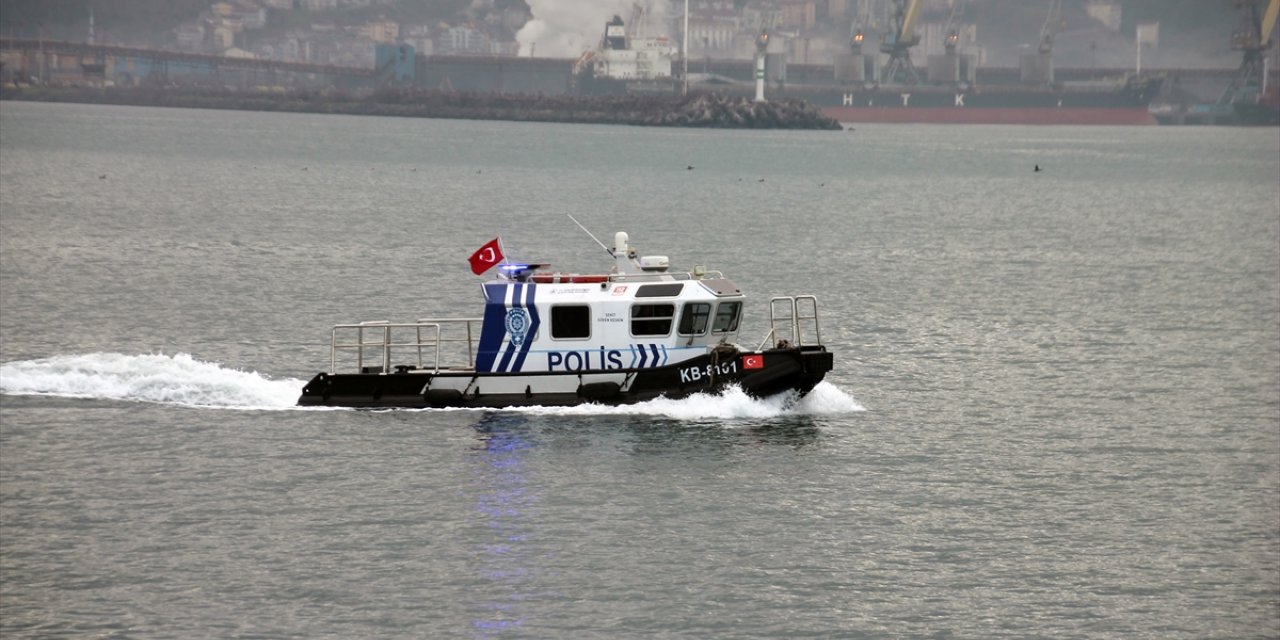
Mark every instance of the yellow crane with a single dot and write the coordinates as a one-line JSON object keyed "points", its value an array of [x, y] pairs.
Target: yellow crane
{"points": [[898, 42], [1252, 40], [1269, 22]]}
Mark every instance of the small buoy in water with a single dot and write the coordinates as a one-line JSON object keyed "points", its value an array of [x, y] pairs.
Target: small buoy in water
{"points": [[102, 177], [760, 180], [1037, 167], [690, 167]]}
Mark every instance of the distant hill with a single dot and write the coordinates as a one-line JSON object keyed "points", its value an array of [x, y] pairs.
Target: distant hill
{"points": [[150, 21], [121, 20]]}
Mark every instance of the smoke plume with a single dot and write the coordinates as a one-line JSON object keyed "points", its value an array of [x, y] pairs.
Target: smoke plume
{"points": [[566, 28]]}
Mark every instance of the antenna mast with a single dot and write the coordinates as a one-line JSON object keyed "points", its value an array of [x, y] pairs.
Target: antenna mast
{"points": [[593, 237]]}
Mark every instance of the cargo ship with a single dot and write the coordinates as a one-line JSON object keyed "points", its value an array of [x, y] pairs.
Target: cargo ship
{"points": [[1262, 112], [882, 85], [1121, 103], [626, 62], [989, 96]]}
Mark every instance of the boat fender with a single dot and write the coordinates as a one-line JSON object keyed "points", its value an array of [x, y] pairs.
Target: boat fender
{"points": [[723, 351], [441, 397], [473, 388], [599, 390]]}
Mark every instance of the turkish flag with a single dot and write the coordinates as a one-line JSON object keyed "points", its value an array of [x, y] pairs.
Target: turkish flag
{"points": [[485, 257], [753, 361]]}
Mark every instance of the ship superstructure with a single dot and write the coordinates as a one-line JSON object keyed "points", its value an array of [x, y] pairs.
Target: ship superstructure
{"points": [[628, 62]]}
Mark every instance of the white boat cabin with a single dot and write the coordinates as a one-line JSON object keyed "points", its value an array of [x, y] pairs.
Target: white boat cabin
{"points": [[636, 317]]}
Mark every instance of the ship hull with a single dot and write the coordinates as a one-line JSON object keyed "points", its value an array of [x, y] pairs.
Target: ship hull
{"points": [[771, 372], [1260, 114], [992, 115], [1069, 104]]}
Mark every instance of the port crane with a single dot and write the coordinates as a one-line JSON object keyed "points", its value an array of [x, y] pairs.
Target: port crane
{"points": [[1046, 31], [898, 41], [1253, 39], [953, 38], [865, 20], [1037, 68]]}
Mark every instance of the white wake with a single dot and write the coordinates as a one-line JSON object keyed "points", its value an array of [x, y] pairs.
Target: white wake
{"points": [[182, 380], [179, 380]]}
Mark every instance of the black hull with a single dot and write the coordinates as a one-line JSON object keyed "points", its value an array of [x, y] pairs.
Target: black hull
{"points": [[1258, 114], [783, 370], [1131, 95], [1120, 104]]}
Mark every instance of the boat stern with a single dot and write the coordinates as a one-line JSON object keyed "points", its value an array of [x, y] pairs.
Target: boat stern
{"points": [[780, 370]]}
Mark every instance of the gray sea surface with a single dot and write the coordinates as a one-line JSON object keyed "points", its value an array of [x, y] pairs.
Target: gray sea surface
{"points": [[1055, 411]]}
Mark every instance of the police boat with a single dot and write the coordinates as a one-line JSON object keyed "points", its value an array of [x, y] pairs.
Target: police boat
{"points": [[636, 333]]}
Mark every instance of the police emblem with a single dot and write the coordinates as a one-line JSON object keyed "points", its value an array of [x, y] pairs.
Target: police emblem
{"points": [[517, 324]]}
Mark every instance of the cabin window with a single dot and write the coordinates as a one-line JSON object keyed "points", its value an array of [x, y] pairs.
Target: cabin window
{"points": [[652, 319], [570, 322], [727, 317], [693, 320]]}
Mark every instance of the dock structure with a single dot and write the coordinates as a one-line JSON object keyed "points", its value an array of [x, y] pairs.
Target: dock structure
{"points": [[39, 61], [53, 61], [42, 62]]}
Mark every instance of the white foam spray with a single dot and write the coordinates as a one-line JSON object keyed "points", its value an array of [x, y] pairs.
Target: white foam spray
{"points": [[730, 404], [178, 379]]}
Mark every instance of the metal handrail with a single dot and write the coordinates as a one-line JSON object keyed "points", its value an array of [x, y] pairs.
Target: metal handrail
{"points": [[813, 315], [679, 276], [797, 316], [767, 337], [433, 339]]}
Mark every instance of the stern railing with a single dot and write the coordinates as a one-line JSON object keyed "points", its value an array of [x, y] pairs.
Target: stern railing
{"points": [[798, 317], [380, 342]]}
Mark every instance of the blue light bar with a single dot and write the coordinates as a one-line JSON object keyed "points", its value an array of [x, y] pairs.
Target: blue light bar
{"points": [[516, 267]]}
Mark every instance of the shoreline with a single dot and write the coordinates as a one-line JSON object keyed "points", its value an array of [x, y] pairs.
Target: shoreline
{"points": [[705, 110]]}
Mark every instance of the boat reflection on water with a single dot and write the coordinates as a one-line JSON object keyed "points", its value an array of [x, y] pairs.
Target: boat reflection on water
{"points": [[503, 534], [511, 467], [668, 435]]}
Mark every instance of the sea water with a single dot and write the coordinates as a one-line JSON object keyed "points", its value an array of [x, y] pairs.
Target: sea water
{"points": [[1055, 410]]}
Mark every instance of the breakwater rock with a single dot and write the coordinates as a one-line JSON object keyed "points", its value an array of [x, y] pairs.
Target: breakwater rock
{"points": [[697, 110]]}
